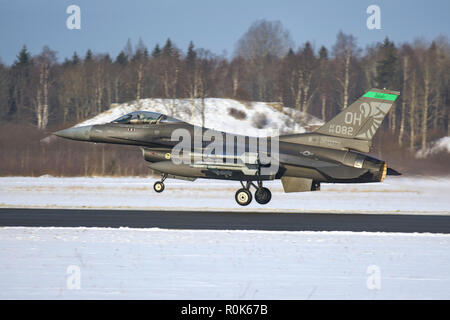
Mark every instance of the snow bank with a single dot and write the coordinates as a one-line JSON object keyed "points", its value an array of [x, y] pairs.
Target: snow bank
{"points": [[395, 195], [83, 263], [218, 115]]}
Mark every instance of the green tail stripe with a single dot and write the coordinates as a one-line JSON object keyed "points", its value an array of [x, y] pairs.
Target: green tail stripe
{"points": [[380, 95]]}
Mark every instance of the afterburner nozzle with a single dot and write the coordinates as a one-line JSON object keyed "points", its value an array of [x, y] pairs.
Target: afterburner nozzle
{"points": [[383, 172]]}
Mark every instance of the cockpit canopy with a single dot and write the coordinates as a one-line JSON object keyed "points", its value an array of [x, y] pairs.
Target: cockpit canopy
{"points": [[143, 117]]}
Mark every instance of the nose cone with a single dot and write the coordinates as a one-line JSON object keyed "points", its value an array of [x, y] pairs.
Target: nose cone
{"points": [[75, 133]]}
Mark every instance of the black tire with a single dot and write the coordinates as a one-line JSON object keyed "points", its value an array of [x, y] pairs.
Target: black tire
{"points": [[158, 186], [243, 197], [263, 195]]}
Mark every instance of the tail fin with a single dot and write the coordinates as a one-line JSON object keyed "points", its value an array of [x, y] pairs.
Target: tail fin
{"points": [[363, 117]]}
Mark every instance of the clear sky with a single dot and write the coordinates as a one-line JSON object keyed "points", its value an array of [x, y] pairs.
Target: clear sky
{"points": [[215, 25]]}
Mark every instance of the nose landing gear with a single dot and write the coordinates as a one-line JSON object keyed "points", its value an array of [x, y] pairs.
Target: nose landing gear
{"points": [[159, 185], [243, 196]]}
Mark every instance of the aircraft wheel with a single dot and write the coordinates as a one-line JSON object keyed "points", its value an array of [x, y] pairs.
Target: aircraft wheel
{"points": [[263, 195], [158, 186], [243, 197]]}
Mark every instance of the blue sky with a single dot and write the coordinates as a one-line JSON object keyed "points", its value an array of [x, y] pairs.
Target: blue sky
{"points": [[214, 25]]}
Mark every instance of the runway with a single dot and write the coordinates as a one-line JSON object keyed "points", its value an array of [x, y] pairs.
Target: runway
{"points": [[224, 220]]}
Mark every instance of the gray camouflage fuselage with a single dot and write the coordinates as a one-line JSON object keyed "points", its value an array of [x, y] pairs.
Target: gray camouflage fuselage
{"points": [[331, 154]]}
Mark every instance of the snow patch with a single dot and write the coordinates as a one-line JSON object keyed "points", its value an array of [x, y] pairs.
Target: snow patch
{"points": [[126, 263], [441, 145], [412, 195]]}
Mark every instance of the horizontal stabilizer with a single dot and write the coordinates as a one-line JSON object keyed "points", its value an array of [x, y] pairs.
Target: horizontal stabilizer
{"points": [[392, 172], [293, 184]]}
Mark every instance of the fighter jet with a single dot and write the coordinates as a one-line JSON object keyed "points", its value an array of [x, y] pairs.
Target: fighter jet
{"points": [[334, 153]]}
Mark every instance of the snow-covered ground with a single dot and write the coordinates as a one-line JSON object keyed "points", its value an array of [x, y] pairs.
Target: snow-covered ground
{"points": [[396, 195], [92, 263], [218, 115], [103, 263]]}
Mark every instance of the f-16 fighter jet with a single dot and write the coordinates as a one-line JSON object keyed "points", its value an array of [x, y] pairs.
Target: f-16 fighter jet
{"points": [[334, 153]]}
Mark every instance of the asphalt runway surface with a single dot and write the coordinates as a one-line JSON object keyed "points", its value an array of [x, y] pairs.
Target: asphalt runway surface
{"points": [[235, 220]]}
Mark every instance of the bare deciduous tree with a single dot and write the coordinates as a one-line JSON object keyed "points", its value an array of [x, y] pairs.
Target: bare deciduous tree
{"points": [[44, 62], [344, 51], [264, 38]]}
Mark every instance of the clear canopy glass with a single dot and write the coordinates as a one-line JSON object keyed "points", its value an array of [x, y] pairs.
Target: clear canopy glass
{"points": [[144, 117]]}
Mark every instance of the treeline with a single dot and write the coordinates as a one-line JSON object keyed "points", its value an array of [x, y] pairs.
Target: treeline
{"points": [[39, 91]]}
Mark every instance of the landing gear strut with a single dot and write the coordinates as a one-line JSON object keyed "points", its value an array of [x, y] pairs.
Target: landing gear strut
{"points": [[262, 195], [159, 185]]}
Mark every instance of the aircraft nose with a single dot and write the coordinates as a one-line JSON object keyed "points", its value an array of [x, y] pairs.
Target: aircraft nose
{"points": [[75, 133]]}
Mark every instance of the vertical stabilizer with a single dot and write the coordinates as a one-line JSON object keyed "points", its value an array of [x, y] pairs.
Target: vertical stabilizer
{"points": [[363, 117]]}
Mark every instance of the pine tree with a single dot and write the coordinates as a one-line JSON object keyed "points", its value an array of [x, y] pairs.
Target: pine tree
{"points": [[387, 65], [290, 53], [323, 53], [88, 56], [75, 58], [306, 73], [167, 51], [19, 90], [191, 56], [23, 58], [324, 82], [156, 51], [121, 58], [387, 73]]}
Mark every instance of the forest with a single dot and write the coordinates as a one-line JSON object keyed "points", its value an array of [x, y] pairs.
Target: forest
{"points": [[40, 94]]}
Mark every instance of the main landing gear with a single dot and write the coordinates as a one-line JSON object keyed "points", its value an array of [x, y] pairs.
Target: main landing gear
{"points": [[244, 196], [159, 185]]}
